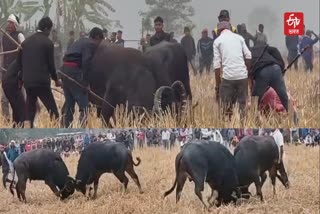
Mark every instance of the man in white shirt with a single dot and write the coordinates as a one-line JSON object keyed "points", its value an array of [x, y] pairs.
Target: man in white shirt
{"points": [[278, 137], [232, 60], [165, 137]]}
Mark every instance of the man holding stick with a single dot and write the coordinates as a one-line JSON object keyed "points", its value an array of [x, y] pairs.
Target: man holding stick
{"points": [[8, 45]]}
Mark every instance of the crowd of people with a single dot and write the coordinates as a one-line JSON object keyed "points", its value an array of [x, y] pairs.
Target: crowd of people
{"points": [[164, 138], [32, 68]]}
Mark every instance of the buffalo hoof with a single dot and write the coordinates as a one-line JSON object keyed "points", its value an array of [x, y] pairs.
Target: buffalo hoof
{"points": [[141, 192]]}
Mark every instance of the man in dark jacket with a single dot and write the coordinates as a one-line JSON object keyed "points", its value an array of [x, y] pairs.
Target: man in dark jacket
{"points": [[188, 44], [205, 50], [268, 72], [292, 47], [160, 35], [36, 61], [76, 65], [5, 165]]}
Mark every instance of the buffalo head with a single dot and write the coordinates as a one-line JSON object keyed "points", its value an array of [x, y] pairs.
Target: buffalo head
{"points": [[68, 188], [166, 95], [81, 187], [283, 177]]}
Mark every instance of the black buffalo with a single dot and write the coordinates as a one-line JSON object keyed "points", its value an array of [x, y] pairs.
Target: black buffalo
{"points": [[207, 161], [126, 76], [45, 165], [254, 155], [99, 158], [172, 61]]}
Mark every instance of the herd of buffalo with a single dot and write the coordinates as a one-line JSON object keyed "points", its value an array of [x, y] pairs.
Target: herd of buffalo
{"points": [[200, 161], [154, 80]]}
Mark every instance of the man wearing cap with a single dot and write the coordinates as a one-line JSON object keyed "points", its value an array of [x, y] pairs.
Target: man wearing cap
{"points": [[232, 60], [205, 51], [188, 44], [223, 16], [8, 45], [160, 35]]}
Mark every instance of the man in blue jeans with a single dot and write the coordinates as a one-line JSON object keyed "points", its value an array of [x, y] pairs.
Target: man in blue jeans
{"points": [[76, 65], [268, 72]]}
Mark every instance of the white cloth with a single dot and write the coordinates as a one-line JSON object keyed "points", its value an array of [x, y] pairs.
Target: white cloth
{"points": [[206, 133], [230, 50], [111, 136], [217, 137], [278, 137], [308, 140], [165, 135], [13, 18], [21, 38]]}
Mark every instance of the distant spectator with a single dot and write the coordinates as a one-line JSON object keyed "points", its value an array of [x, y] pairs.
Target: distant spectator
{"points": [[71, 39], [188, 44], [308, 54], [260, 39], [119, 40]]}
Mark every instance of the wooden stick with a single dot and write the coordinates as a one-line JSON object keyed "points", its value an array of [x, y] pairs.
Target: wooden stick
{"points": [[10, 37], [9, 52]]}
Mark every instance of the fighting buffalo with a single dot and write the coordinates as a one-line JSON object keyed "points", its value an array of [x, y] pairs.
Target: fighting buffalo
{"points": [[254, 155], [207, 161], [45, 165], [99, 158], [144, 82]]}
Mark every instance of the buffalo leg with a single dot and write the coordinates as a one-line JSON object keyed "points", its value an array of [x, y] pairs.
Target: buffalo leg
{"points": [[53, 187], [211, 195], [95, 185], [181, 179], [257, 182], [273, 174], [199, 187], [134, 176], [263, 177], [21, 188], [122, 178], [4, 179]]}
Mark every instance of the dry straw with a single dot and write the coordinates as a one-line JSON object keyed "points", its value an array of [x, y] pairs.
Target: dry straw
{"points": [[303, 87], [156, 173]]}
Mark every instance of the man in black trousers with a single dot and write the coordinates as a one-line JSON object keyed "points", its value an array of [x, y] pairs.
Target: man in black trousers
{"points": [[12, 88], [36, 62], [267, 72]]}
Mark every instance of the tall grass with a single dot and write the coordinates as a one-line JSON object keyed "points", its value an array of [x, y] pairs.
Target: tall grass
{"points": [[304, 87]]}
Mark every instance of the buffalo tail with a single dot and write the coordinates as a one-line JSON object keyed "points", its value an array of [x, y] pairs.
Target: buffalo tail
{"points": [[138, 159], [175, 181]]}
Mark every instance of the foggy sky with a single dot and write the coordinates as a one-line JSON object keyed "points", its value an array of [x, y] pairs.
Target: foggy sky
{"points": [[208, 10]]}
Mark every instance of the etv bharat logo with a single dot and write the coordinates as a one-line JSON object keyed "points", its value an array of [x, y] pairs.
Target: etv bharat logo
{"points": [[293, 23]]}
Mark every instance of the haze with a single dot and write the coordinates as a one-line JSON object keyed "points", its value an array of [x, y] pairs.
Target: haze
{"points": [[208, 10]]}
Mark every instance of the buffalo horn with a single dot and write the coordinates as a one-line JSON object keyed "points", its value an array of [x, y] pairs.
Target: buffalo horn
{"points": [[179, 87], [158, 97]]}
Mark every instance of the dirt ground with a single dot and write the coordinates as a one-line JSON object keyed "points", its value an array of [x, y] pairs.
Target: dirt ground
{"points": [[156, 173]]}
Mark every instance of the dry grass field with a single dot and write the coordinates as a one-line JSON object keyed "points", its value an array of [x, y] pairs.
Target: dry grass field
{"points": [[156, 173], [303, 87]]}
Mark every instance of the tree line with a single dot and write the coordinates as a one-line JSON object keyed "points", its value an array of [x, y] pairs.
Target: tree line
{"points": [[76, 14]]}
